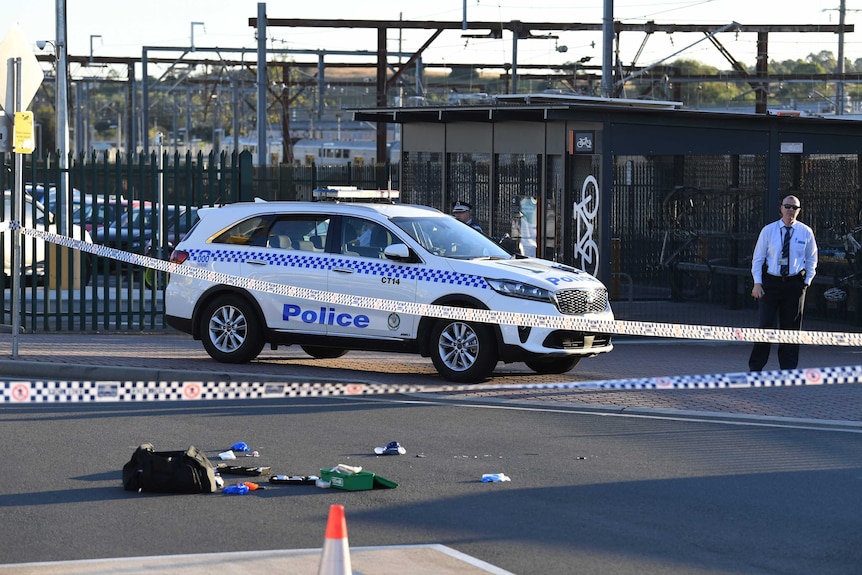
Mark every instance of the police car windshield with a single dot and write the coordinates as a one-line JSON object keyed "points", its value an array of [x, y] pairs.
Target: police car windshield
{"points": [[447, 237]]}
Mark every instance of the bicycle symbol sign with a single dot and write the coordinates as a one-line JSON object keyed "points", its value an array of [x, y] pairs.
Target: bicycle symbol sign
{"points": [[582, 142], [584, 215]]}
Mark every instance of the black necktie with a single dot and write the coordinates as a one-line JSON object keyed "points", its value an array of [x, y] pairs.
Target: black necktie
{"points": [[785, 252]]}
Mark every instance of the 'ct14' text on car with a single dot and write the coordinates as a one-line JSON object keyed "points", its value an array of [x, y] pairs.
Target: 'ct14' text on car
{"points": [[380, 251]]}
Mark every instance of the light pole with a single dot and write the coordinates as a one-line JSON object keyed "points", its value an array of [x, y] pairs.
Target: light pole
{"points": [[192, 36], [61, 119], [839, 104], [91, 46]]}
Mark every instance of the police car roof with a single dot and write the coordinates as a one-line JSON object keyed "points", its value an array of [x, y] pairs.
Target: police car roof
{"points": [[352, 208]]}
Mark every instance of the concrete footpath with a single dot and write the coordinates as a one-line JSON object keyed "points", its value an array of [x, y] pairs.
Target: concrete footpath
{"points": [[395, 560]]}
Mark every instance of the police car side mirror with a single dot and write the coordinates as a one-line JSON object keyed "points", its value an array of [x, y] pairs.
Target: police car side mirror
{"points": [[398, 252]]}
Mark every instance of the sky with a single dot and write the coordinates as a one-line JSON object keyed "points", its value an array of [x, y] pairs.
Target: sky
{"points": [[122, 28]]}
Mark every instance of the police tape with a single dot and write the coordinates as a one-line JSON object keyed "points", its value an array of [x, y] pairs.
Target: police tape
{"points": [[133, 391], [571, 323]]}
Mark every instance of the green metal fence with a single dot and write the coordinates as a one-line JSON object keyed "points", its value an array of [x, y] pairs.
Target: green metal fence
{"points": [[719, 200], [115, 199]]}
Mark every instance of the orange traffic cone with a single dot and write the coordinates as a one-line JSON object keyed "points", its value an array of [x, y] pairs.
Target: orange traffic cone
{"points": [[336, 553]]}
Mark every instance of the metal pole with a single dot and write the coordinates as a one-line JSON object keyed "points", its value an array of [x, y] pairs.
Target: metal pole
{"points": [[131, 113], [608, 50], [188, 119], [192, 35], [515, 60], [321, 85], [160, 205], [62, 120], [839, 92], [236, 113], [17, 198], [262, 82], [145, 104]]}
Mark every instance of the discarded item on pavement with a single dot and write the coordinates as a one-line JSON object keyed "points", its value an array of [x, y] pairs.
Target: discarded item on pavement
{"points": [[238, 489], [240, 446], [347, 469], [391, 448], [227, 455], [494, 477], [294, 479], [350, 478], [188, 471], [242, 469]]}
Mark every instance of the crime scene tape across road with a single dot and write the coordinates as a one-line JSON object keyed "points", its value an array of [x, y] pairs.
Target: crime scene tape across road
{"points": [[15, 391], [649, 329]]}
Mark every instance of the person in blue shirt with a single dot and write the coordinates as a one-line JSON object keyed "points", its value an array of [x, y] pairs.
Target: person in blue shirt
{"points": [[464, 213], [783, 266]]}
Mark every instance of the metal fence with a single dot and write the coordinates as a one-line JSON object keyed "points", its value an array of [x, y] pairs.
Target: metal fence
{"points": [[115, 200], [682, 228], [685, 229]]}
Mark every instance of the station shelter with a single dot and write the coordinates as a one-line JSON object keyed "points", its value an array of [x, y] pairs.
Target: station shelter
{"points": [[661, 203]]}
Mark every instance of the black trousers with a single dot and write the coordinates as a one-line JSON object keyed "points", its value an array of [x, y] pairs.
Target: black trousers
{"points": [[780, 307]]}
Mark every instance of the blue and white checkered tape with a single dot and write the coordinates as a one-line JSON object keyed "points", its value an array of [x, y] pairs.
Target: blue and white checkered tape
{"points": [[122, 391], [574, 323]]}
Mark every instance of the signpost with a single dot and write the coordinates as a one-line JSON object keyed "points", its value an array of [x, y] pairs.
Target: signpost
{"points": [[20, 78]]}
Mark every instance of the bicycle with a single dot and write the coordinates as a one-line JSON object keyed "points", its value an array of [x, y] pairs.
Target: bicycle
{"points": [[690, 273], [848, 276]]}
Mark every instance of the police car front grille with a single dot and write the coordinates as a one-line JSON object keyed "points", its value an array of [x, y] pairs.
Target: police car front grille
{"points": [[581, 301]]}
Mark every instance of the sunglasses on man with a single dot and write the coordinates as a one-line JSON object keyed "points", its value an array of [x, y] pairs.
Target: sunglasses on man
{"points": [[790, 207]]}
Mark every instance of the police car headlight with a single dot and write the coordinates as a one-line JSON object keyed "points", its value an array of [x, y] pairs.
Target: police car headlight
{"points": [[520, 289]]}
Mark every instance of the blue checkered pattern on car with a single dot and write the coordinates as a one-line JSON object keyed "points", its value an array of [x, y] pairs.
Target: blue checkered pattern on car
{"points": [[289, 259]]}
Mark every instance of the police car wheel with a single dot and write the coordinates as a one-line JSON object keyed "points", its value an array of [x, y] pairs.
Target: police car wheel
{"points": [[231, 331], [323, 352], [463, 352], [552, 365]]}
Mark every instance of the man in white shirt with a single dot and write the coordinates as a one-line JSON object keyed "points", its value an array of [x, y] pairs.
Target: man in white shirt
{"points": [[783, 266]]}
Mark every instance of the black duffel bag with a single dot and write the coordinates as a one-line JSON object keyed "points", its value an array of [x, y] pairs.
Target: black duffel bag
{"points": [[188, 471]]}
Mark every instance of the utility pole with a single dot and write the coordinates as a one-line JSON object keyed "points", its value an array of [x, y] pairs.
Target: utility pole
{"points": [[839, 92], [62, 119], [262, 86], [608, 50]]}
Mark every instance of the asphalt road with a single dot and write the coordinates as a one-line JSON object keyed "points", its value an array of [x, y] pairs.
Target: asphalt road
{"points": [[589, 493], [602, 482]]}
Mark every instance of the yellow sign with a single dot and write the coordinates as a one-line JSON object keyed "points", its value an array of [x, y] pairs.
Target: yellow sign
{"points": [[23, 140]]}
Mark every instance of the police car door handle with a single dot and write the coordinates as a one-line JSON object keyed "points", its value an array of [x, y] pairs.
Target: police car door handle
{"points": [[257, 262], [343, 270]]}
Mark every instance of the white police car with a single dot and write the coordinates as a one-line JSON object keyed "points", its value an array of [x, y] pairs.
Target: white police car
{"points": [[396, 252]]}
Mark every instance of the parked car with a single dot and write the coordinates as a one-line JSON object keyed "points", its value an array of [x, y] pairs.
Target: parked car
{"points": [[135, 227], [46, 194], [94, 212], [175, 231], [410, 253], [34, 216]]}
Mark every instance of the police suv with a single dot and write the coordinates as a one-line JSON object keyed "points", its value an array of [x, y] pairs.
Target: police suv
{"points": [[376, 254]]}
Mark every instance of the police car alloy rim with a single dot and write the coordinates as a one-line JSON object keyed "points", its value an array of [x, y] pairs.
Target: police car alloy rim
{"points": [[228, 329], [458, 346]]}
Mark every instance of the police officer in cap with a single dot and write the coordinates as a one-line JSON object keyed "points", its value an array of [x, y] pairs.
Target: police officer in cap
{"points": [[464, 212]]}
